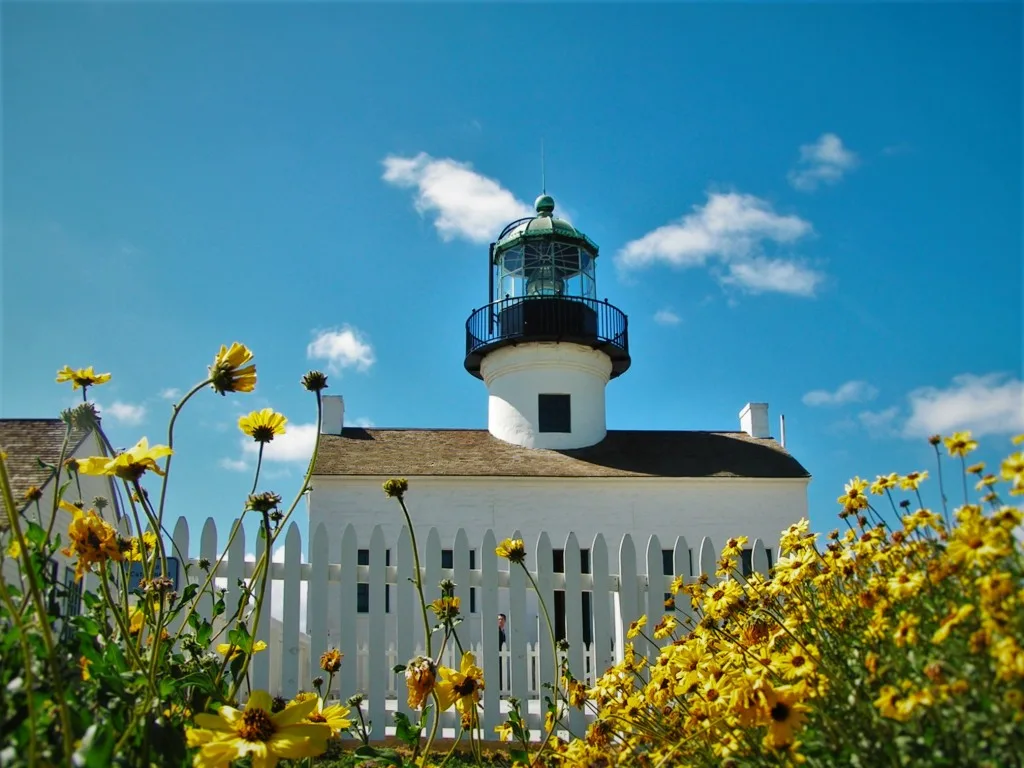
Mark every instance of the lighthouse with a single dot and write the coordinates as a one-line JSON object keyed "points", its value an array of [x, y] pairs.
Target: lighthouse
{"points": [[544, 344]]}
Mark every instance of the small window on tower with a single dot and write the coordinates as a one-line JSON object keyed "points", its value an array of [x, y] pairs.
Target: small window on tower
{"points": [[553, 413]]}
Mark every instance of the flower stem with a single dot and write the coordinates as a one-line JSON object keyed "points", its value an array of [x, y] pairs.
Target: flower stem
{"points": [[554, 651], [259, 464], [419, 577]]}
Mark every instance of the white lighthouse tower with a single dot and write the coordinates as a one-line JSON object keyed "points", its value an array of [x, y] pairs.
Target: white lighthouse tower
{"points": [[545, 345]]}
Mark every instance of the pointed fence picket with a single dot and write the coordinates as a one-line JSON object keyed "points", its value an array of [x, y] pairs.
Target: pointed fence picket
{"points": [[620, 589]]}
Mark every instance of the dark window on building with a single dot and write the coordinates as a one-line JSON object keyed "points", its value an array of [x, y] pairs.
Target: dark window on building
{"points": [[363, 557], [554, 414], [771, 559], [584, 561], [472, 599], [747, 562], [689, 554], [362, 598], [472, 559], [558, 560], [588, 617], [668, 596], [447, 558], [559, 614], [666, 562]]}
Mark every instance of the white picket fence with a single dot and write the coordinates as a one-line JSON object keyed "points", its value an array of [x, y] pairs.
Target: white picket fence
{"points": [[623, 588]]}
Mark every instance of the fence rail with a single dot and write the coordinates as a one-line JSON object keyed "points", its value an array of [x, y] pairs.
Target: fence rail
{"points": [[377, 628]]}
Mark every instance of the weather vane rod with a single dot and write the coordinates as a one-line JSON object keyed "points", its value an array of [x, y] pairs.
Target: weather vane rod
{"points": [[543, 177]]}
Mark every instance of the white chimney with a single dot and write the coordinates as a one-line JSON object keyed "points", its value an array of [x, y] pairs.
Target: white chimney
{"points": [[754, 420], [334, 415]]}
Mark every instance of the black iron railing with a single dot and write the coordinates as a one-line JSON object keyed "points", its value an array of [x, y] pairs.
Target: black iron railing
{"points": [[548, 318]]}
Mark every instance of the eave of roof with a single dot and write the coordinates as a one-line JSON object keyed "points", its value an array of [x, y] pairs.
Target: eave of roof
{"points": [[623, 454]]}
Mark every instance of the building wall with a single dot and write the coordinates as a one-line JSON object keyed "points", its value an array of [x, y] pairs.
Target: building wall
{"points": [[91, 487], [515, 376], [718, 508]]}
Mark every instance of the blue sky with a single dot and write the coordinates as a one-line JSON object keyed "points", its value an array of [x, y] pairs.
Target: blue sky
{"points": [[814, 206]]}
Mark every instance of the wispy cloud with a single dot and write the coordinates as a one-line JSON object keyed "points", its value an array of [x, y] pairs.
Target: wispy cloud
{"points": [[667, 317], [171, 393], [363, 422], [850, 392], [235, 465], [825, 161], [296, 444], [734, 229], [463, 202], [989, 404], [342, 348], [128, 414]]}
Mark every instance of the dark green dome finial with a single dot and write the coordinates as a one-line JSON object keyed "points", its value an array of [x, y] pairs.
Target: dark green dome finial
{"points": [[545, 205]]}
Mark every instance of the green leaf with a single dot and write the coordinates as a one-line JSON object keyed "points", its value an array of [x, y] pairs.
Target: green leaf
{"points": [[398, 668], [35, 534], [167, 686], [204, 633], [519, 756], [188, 594], [406, 731]]}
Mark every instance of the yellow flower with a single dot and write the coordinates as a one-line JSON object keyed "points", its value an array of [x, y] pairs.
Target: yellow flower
{"points": [[786, 716], [1012, 469], [884, 482], [33, 493], [14, 549], [334, 716], [854, 497], [635, 627], [446, 608], [976, 469], [888, 704], [130, 465], [81, 377], [148, 544], [913, 480], [720, 599], [951, 621], [84, 663], [665, 627], [227, 373], [906, 630], [986, 482], [960, 444], [420, 678], [234, 650], [512, 549], [92, 540], [461, 687], [233, 734], [734, 546], [261, 426]]}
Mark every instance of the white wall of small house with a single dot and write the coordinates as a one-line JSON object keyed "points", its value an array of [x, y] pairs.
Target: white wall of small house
{"points": [[718, 508], [91, 487]]}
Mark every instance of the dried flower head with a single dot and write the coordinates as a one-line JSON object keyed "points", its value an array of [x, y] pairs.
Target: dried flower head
{"points": [[315, 381], [33, 493], [263, 502], [71, 465], [420, 678], [100, 502], [330, 661], [396, 487], [84, 416]]}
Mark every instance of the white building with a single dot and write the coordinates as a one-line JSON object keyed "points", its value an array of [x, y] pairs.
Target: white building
{"points": [[27, 442], [546, 348]]}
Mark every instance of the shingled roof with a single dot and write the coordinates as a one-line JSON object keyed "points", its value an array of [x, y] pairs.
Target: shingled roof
{"points": [[623, 453], [27, 440]]}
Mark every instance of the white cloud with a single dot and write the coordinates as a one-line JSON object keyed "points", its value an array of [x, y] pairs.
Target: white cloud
{"points": [[235, 465], [342, 348], [296, 444], [850, 392], [823, 162], [171, 393], [667, 317], [989, 404], [764, 275], [363, 422], [125, 413], [880, 423], [733, 228], [463, 202]]}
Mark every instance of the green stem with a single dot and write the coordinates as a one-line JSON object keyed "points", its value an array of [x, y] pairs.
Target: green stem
{"points": [[433, 728], [259, 464], [170, 444], [41, 612], [265, 561], [419, 577], [26, 652], [451, 751], [125, 632], [554, 651]]}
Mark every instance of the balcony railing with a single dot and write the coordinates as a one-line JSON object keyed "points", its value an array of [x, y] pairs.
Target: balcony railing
{"points": [[594, 323]]}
